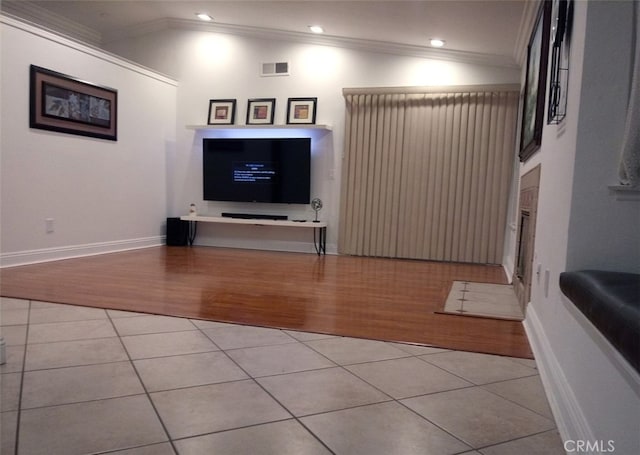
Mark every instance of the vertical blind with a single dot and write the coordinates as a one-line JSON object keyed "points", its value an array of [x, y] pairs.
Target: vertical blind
{"points": [[426, 175]]}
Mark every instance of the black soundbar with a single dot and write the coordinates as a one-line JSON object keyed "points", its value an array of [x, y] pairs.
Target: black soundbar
{"points": [[254, 216]]}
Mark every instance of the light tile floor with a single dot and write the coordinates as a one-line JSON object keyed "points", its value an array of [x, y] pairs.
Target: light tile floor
{"points": [[91, 381]]}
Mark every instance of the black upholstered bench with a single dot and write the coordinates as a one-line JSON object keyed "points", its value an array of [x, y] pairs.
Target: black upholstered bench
{"points": [[611, 301]]}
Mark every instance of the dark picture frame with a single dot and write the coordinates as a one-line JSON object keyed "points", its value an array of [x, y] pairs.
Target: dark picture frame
{"points": [[221, 112], [561, 21], [533, 106], [301, 111], [65, 104], [261, 111]]}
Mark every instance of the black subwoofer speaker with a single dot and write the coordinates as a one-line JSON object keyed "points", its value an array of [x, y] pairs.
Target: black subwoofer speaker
{"points": [[177, 232]]}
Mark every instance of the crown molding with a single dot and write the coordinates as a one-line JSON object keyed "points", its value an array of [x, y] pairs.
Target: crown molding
{"points": [[54, 22], [527, 22], [307, 38], [61, 24], [88, 49]]}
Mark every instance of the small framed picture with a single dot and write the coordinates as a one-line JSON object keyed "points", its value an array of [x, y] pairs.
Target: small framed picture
{"points": [[260, 111], [301, 110], [222, 112]]}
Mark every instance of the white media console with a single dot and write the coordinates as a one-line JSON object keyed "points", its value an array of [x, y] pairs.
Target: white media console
{"points": [[319, 227]]}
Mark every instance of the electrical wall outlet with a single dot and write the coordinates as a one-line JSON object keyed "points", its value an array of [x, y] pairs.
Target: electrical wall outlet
{"points": [[48, 225], [547, 276]]}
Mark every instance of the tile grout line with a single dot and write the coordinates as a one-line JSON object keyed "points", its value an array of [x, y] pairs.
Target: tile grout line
{"points": [[398, 400], [537, 373], [76, 366], [468, 443], [144, 387], [457, 438], [253, 379], [412, 396], [22, 373], [107, 452], [520, 404], [517, 439], [227, 430], [391, 398], [466, 379]]}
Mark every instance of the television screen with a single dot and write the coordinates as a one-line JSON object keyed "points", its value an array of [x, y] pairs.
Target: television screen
{"points": [[276, 170]]}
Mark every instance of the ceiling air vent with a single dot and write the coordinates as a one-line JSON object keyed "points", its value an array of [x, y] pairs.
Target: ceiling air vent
{"points": [[274, 69]]}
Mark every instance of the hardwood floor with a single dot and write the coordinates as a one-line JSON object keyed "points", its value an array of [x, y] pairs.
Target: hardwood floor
{"points": [[385, 299]]}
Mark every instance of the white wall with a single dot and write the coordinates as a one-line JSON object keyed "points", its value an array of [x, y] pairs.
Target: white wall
{"points": [[214, 65], [103, 195], [603, 232], [594, 393]]}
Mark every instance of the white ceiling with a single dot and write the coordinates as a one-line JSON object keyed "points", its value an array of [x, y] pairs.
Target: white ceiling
{"points": [[492, 30]]}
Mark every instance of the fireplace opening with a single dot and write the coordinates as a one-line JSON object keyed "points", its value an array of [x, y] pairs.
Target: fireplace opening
{"points": [[525, 239], [523, 256]]}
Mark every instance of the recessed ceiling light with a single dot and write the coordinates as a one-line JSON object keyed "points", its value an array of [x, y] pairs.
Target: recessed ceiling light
{"points": [[435, 42], [204, 17], [316, 29]]}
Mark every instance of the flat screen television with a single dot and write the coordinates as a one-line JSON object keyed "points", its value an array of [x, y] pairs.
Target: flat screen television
{"points": [[275, 170]]}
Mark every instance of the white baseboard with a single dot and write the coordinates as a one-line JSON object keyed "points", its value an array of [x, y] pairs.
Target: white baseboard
{"points": [[571, 421], [74, 251], [508, 271]]}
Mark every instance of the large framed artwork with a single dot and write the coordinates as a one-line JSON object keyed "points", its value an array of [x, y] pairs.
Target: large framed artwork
{"points": [[535, 84], [66, 104]]}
